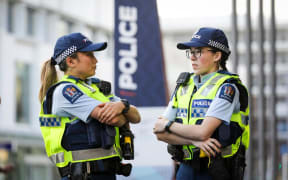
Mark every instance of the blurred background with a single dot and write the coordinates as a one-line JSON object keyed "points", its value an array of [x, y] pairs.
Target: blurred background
{"points": [[258, 34]]}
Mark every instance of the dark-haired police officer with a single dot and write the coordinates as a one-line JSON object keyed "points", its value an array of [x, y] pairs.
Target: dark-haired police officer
{"points": [[79, 117], [208, 112]]}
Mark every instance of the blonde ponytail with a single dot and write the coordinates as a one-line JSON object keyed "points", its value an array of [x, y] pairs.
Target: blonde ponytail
{"points": [[48, 78]]}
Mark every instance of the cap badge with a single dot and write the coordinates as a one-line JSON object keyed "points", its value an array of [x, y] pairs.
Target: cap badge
{"points": [[196, 36]]}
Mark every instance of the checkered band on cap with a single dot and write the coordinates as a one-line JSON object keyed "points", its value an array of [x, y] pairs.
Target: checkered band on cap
{"points": [[219, 46], [65, 54]]}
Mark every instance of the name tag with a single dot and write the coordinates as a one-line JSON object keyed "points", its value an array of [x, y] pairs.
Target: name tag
{"points": [[201, 103]]}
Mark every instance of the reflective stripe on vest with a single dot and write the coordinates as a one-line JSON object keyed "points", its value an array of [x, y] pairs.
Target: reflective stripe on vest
{"points": [[57, 158], [210, 86], [50, 121], [84, 154], [92, 153]]}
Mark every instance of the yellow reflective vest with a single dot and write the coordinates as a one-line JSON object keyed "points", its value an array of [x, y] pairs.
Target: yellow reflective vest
{"points": [[53, 127], [190, 115]]}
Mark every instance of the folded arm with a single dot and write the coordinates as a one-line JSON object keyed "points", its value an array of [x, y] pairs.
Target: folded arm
{"points": [[209, 146], [111, 113], [195, 132]]}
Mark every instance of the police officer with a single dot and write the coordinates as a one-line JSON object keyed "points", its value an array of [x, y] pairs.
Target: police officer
{"points": [[79, 116], [208, 112]]}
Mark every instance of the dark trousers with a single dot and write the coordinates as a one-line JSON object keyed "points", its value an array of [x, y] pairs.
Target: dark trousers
{"points": [[186, 172], [97, 177]]}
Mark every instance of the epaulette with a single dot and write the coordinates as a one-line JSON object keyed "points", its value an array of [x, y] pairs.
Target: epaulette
{"points": [[104, 86], [183, 78], [95, 80]]}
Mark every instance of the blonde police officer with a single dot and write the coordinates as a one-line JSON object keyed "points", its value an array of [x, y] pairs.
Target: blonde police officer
{"points": [[79, 121], [208, 111]]}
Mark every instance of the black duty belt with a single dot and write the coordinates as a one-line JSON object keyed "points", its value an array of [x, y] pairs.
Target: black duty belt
{"points": [[91, 167], [198, 164]]}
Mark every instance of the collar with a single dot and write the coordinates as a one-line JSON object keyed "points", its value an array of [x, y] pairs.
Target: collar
{"points": [[88, 81], [204, 79], [75, 78]]}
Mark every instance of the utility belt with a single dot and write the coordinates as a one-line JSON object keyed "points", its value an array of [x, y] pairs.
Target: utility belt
{"points": [[178, 154], [218, 167], [221, 168], [104, 140], [82, 169], [200, 160]]}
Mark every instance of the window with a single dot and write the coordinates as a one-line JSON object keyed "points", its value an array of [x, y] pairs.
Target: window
{"points": [[22, 92], [65, 26], [10, 17], [70, 26], [30, 21], [32, 163]]}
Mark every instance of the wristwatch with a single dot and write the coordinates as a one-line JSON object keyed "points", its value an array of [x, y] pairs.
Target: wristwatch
{"points": [[168, 125], [127, 106]]}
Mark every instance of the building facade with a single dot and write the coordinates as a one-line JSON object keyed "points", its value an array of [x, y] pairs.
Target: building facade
{"points": [[28, 32]]}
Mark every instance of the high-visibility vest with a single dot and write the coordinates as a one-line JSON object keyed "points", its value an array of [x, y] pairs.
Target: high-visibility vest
{"points": [[189, 114], [53, 127]]}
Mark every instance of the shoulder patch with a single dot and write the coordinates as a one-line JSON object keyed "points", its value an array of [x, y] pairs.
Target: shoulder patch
{"points": [[71, 93], [227, 92]]}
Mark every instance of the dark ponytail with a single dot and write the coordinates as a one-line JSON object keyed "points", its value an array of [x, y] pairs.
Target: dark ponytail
{"points": [[223, 60]]}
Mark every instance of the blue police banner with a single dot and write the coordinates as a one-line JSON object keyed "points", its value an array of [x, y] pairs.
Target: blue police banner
{"points": [[139, 63]]}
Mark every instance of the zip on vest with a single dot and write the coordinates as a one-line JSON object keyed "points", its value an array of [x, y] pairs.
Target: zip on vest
{"points": [[193, 92]]}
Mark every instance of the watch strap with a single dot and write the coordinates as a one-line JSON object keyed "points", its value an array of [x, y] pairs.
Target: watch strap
{"points": [[127, 106], [168, 125]]}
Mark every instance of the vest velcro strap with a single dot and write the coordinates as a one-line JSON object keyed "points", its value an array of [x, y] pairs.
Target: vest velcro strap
{"points": [[92, 153], [57, 158]]}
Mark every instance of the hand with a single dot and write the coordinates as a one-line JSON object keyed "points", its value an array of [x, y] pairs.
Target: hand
{"points": [[6, 169], [109, 111], [160, 125], [209, 146]]}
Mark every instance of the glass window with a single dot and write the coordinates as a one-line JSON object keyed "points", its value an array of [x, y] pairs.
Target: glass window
{"points": [[10, 17], [69, 26], [30, 21], [65, 26], [29, 167], [22, 92], [36, 171]]}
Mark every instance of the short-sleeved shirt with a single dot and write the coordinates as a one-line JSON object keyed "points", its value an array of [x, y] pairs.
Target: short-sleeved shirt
{"points": [[223, 105], [76, 105]]}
